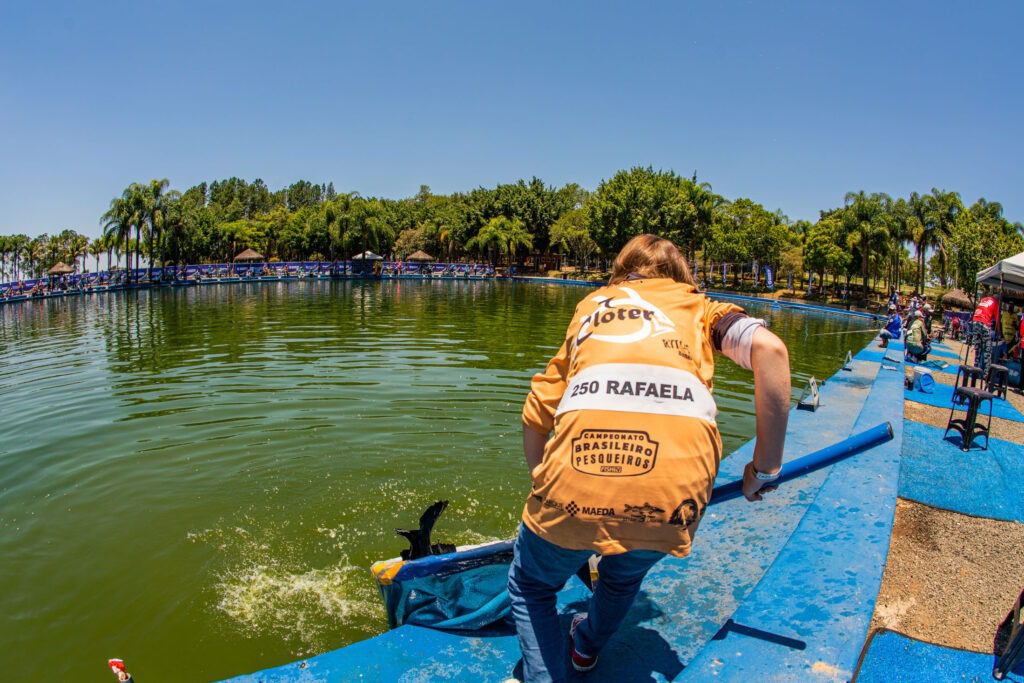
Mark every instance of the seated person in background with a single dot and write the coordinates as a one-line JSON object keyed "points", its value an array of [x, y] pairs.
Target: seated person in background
{"points": [[917, 339], [892, 329]]}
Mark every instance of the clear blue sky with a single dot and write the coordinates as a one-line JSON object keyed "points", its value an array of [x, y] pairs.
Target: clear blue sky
{"points": [[790, 104]]}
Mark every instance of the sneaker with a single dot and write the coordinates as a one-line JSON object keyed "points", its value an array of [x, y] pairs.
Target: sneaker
{"points": [[580, 662]]}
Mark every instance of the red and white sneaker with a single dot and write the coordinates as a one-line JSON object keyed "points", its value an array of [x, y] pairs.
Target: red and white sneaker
{"points": [[580, 662]]}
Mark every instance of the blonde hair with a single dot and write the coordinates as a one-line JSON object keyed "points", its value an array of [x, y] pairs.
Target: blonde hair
{"points": [[651, 256]]}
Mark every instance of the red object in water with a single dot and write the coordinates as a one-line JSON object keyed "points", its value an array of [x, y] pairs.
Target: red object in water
{"points": [[116, 664]]}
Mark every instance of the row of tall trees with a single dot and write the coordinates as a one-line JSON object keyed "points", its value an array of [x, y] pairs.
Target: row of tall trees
{"points": [[22, 256], [869, 237]]}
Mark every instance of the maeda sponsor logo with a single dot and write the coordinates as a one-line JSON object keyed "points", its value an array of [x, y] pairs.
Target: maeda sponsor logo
{"points": [[613, 452]]}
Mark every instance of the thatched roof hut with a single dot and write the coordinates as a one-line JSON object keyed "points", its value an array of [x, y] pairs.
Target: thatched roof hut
{"points": [[956, 298], [60, 269], [249, 255], [420, 256]]}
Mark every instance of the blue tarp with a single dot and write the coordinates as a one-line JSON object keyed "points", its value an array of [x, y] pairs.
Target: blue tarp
{"points": [[464, 591], [894, 658], [982, 483], [942, 397]]}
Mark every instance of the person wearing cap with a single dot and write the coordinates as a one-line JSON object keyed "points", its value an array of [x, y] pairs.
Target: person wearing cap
{"points": [[928, 313], [894, 297], [893, 327], [917, 339]]}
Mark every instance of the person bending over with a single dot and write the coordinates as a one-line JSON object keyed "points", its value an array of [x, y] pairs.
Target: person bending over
{"points": [[621, 440]]}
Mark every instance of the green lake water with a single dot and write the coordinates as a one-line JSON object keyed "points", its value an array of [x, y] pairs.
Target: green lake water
{"points": [[197, 480]]}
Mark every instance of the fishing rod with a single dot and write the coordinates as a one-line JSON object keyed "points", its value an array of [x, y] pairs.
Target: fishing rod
{"points": [[858, 443], [828, 334]]}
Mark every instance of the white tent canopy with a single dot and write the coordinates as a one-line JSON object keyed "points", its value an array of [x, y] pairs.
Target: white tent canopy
{"points": [[1008, 274], [367, 255]]}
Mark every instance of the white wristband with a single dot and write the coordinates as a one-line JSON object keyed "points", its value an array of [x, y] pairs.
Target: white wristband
{"points": [[763, 476]]}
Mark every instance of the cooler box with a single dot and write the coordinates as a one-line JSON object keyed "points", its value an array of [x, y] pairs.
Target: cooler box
{"points": [[923, 380]]}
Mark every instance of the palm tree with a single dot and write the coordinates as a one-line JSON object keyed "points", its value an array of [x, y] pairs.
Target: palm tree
{"points": [[6, 246], [935, 215], [18, 245], [153, 202], [945, 208], [502, 234], [96, 248], [34, 251], [117, 225], [867, 217], [78, 246], [340, 214]]}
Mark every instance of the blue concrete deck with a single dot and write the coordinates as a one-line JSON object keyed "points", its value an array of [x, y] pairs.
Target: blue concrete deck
{"points": [[802, 568]]}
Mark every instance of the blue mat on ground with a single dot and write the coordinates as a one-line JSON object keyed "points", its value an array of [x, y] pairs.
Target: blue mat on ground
{"points": [[945, 354], [942, 397], [877, 355], [894, 658], [981, 483]]}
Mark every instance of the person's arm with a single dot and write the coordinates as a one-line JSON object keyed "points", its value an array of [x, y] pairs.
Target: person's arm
{"points": [[769, 359], [533, 446], [546, 391]]}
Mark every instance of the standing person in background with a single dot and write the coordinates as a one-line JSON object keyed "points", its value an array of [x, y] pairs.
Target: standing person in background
{"points": [[954, 327], [894, 297], [1008, 332], [635, 448], [986, 315]]}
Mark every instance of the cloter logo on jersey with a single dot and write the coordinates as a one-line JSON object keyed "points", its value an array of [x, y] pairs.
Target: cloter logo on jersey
{"points": [[613, 452], [624, 320]]}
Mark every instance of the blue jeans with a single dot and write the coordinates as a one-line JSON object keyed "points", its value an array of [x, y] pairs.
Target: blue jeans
{"points": [[538, 571]]}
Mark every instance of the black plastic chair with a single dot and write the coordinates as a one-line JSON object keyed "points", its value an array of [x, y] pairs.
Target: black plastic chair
{"points": [[997, 379], [968, 427], [968, 376]]}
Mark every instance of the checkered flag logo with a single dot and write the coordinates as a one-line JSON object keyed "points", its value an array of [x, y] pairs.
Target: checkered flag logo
{"points": [[572, 508]]}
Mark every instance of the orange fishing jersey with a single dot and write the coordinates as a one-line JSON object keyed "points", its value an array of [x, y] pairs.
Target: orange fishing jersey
{"points": [[635, 448]]}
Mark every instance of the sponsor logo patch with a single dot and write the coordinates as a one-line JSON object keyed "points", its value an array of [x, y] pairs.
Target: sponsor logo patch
{"points": [[641, 513], [613, 452], [685, 514]]}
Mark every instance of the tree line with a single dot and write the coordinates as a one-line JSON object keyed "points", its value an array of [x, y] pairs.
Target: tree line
{"points": [[871, 238]]}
